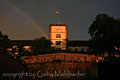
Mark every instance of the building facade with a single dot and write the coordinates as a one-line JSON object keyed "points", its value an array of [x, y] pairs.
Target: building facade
{"points": [[78, 45], [58, 35]]}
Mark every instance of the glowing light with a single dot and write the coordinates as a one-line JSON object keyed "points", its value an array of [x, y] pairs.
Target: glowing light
{"points": [[27, 16], [57, 12], [27, 47], [16, 53], [97, 61]]}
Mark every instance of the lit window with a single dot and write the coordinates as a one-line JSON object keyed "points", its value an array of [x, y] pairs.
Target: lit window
{"points": [[58, 42], [58, 36]]}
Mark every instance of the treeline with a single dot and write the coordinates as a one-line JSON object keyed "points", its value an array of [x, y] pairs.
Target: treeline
{"points": [[39, 46]]}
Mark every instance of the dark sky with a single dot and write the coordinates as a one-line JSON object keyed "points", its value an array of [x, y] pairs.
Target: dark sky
{"points": [[29, 19]]}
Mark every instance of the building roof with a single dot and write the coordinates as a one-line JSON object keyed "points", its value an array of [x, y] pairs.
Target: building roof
{"points": [[69, 43], [21, 42], [77, 43], [58, 24]]}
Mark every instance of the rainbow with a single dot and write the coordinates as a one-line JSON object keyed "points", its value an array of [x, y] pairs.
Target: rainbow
{"points": [[27, 16]]}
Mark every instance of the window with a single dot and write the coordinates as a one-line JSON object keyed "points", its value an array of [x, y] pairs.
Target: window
{"points": [[58, 42], [58, 36]]}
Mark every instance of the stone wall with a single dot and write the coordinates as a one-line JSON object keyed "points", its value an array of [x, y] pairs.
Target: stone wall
{"points": [[65, 57]]}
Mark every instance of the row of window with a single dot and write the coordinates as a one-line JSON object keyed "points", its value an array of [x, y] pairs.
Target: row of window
{"points": [[58, 42]]}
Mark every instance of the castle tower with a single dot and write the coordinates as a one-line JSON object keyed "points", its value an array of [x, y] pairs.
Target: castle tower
{"points": [[58, 35]]}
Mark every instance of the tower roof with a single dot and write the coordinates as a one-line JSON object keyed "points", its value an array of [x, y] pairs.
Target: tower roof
{"points": [[58, 25]]}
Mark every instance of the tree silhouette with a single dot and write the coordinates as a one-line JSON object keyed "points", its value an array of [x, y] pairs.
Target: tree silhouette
{"points": [[105, 34], [41, 44], [3, 43]]}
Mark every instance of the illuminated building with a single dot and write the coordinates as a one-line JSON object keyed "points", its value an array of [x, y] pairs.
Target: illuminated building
{"points": [[78, 45], [72, 45], [58, 35]]}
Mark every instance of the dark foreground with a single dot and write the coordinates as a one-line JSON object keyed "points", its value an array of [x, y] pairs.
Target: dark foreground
{"points": [[10, 69], [109, 69]]}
